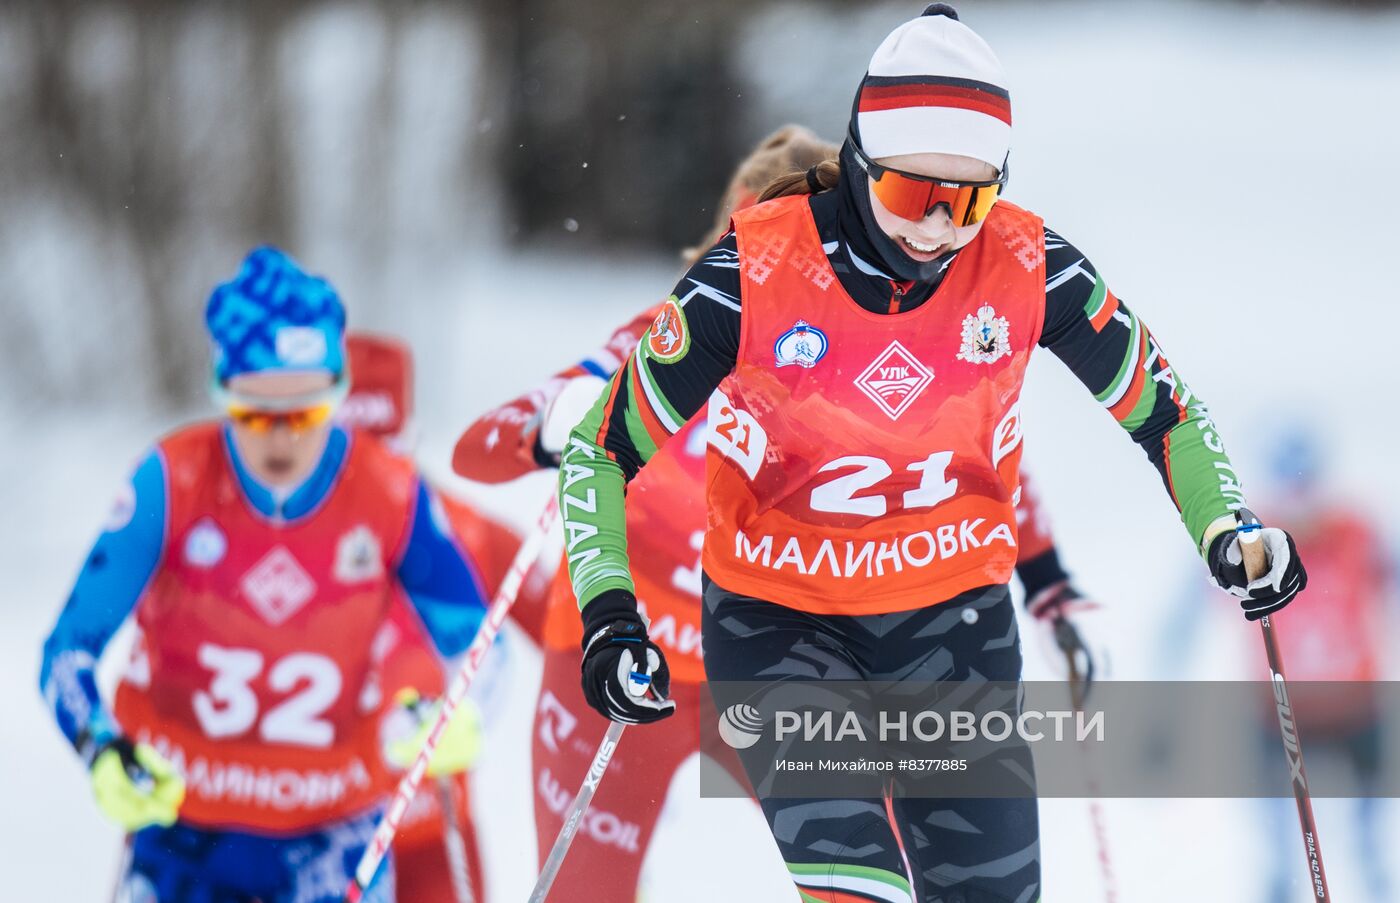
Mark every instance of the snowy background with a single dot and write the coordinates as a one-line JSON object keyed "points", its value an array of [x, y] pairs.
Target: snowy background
{"points": [[1230, 168]]}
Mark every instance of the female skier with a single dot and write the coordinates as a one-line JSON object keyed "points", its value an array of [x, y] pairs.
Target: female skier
{"points": [[861, 342], [666, 523], [260, 555]]}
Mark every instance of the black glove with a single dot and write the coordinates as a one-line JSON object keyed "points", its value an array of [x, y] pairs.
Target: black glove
{"points": [[1285, 579], [625, 677], [1070, 632]]}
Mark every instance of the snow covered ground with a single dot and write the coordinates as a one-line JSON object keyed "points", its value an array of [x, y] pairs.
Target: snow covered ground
{"points": [[1229, 168]]}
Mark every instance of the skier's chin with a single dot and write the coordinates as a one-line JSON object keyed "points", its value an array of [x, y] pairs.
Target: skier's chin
{"points": [[278, 468]]}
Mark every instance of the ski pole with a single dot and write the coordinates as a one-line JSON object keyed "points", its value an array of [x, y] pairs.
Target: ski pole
{"points": [[456, 842], [123, 867], [389, 823], [574, 819], [1078, 692], [1256, 565]]}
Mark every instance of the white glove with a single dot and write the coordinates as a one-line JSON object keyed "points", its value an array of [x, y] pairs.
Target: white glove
{"points": [[1284, 580], [566, 409]]}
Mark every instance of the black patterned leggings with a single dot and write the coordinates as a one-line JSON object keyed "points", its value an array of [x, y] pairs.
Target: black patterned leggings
{"points": [[849, 850]]}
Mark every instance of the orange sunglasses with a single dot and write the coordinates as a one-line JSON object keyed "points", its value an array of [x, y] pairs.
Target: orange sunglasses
{"points": [[913, 197], [260, 420]]}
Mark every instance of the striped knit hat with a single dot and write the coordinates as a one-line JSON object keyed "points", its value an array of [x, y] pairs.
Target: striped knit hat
{"points": [[934, 86]]}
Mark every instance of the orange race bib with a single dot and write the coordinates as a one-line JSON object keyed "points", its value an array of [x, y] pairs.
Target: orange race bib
{"points": [[863, 463], [255, 670]]}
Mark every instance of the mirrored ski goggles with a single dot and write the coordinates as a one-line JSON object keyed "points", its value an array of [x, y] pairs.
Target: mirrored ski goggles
{"points": [[260, 413], [262, 420], [913, 197]]}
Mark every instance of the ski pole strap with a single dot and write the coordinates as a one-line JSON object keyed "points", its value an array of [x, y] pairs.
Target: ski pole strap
{"points": [[389, 823]]}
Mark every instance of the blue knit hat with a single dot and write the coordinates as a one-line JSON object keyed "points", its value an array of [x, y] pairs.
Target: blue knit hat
{"points": [[275, 317]]}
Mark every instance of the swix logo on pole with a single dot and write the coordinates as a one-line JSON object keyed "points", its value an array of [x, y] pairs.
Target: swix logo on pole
{"points": [[894, 380], [600, 763], [1290, 731]]}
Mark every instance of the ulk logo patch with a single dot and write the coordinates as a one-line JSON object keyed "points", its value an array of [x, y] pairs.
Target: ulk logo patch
{"points": [[277, 586], [668, 339], [894, 380]]}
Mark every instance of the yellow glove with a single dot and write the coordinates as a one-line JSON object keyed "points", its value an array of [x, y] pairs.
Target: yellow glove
{"points": [[407, 727], [135, 786]]}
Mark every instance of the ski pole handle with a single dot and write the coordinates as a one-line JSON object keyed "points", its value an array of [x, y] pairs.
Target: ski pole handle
{"points": [[1256, 557], [574, 818], [389, 823]]}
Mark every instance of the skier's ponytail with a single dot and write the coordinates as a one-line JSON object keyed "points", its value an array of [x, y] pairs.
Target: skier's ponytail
{"points": [[787, 153], [817, 178]]}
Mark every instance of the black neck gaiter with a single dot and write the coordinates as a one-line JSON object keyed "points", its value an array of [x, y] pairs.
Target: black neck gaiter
{"points": [[865, 236]]}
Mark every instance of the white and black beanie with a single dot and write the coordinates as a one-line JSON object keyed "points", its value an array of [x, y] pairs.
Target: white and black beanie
{"points": [[934, 86]]}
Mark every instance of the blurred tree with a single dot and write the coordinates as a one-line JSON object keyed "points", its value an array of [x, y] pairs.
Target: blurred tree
{"points": [[147, 144], [121, 139], [613, 119]]}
